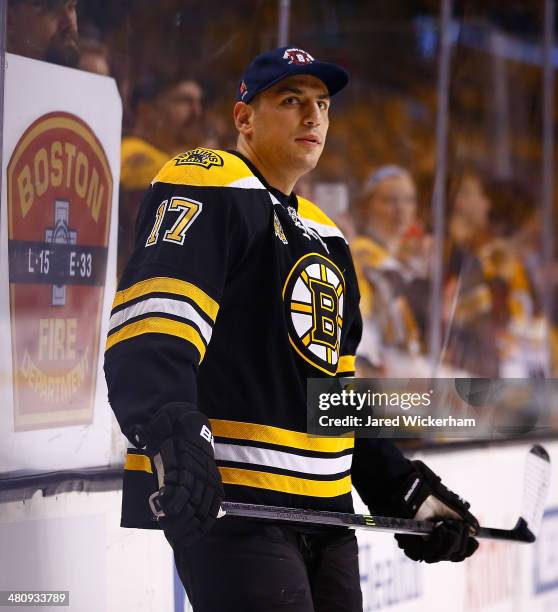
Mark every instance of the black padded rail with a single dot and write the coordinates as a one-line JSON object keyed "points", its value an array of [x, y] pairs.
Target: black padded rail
{"points": [[21, 485]]}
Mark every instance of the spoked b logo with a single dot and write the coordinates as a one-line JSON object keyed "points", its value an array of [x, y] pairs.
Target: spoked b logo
{"points": [[314, 293]]}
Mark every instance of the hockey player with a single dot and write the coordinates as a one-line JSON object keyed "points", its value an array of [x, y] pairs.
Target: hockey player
{"points": [[236, 293]]}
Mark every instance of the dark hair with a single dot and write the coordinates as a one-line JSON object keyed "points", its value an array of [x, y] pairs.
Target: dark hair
{"points": [[457, 175], [512, 204], [151, 86]]}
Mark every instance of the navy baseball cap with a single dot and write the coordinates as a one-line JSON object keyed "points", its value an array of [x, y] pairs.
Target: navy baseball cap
{"points": [[270, 67]]}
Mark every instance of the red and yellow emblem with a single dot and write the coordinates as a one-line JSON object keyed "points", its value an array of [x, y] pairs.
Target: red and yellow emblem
{"points": [[59, 205]]}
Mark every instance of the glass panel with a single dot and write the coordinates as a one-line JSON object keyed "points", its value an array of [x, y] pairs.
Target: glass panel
{"points": [[80, 147], [494, 324], [376, 179]]}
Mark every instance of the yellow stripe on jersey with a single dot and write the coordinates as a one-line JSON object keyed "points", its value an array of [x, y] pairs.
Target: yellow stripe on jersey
{"points": [[346, 363], [239, 430], [139, 463], [309, 210], [163, 284], [158, 325], [215, 169], [286, 484]]}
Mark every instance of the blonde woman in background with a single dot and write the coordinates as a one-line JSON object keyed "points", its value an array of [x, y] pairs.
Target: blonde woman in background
{"points": [[390, 263]]}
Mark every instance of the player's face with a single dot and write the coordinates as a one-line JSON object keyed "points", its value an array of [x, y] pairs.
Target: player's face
{"points": [[290, 123], [393, 204]]}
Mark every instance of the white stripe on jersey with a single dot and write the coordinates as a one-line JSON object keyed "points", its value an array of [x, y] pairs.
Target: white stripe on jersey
{"points": [[279, 459], [248, 182], [162, 305], [325, 231]]}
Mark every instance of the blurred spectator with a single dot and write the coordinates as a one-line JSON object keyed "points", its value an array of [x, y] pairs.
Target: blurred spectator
{"points": [[167, 120], [470, 210], [44, 29], [385, 214], [512, 262], [489, 302], [93, 57], [470, 341]]}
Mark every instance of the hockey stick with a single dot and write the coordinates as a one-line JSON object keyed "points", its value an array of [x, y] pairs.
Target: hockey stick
{"points": [[537, 477]]}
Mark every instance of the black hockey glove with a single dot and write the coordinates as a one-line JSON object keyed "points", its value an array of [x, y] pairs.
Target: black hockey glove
{"points": [[191, 492], [423, 496], [450, 541]]}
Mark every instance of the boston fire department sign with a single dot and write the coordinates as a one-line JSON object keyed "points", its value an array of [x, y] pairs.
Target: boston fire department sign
{"points": [[59, 204]]}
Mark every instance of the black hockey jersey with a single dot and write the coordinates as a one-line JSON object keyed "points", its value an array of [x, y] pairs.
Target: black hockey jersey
{"points": [[235, 295]]}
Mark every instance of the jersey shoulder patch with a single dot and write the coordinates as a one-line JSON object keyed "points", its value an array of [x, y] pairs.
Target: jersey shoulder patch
{"points": [[202, 167]]}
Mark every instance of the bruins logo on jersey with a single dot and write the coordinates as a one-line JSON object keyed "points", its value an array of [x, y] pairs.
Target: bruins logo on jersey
{"points": [[199, 157], [313, 294]]}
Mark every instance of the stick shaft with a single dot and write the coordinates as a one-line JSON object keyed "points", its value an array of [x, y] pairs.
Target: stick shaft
{"points": [[297, 515], [340, 519], [520, 532]]}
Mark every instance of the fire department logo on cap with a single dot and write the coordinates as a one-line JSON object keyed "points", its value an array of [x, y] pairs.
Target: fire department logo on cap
{"points": [[59, 204], [314, 293], [298, 56]]}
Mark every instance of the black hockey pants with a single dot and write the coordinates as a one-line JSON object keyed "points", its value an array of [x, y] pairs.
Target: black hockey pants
{"points": [[253, 566]]}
